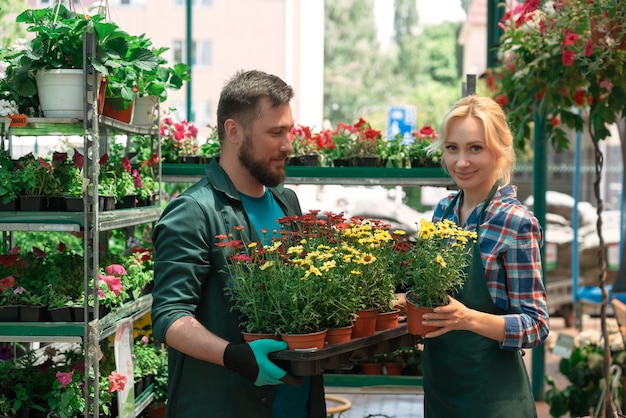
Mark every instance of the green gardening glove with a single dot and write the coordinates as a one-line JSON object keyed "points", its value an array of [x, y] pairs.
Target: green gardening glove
{"points": [[252, 362]]}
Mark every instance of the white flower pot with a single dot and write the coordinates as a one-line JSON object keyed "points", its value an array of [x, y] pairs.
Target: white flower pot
{"points": [[144, 111], [61, 93]]}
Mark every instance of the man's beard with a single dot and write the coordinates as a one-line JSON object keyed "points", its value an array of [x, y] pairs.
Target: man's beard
{"points": [[258, 169]]}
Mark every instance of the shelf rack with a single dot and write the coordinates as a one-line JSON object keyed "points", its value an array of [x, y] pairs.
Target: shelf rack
{"points": [[374, 176]]}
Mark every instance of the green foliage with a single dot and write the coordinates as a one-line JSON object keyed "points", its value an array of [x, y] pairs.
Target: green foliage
{"points": [[564, 64], [8, 181], [435, 264], [35, 177], [584, 370], [361, 80], [211, 148], [10, 32]]}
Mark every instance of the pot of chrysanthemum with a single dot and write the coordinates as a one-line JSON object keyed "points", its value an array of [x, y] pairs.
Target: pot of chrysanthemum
{"points": [[414, 313]]}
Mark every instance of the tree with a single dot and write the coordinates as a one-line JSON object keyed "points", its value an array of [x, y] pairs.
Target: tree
{"points": [[9, 30], [362, 81], [352, 59], [405, 26]]}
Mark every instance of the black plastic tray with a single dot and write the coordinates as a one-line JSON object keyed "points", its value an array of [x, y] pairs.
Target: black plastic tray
{"points": [[337, 356]]}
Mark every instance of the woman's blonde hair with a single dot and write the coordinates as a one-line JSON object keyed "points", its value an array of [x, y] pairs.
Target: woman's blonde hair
{"points": [[498, 135]]}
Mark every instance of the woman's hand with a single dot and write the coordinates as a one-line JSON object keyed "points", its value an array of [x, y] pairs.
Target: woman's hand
{"points": [[453, 316]]}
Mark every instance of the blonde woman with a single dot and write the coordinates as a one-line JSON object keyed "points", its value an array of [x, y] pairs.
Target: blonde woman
{"points": [[473, 363]]}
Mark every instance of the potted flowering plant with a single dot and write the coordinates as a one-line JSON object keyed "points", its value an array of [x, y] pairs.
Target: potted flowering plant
{"points": [[9, 298], [417, 149], [317, 274], [35, 182], [396, 154], [356, 145], [434, 268], [305, 145], [563, 59], [179, 141]]}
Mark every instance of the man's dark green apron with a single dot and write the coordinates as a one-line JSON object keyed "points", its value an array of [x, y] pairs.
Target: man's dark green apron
{"points": [[467, 375]]}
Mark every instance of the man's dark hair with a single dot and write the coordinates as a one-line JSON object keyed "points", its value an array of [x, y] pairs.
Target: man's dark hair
{"points": [[240, 96]]}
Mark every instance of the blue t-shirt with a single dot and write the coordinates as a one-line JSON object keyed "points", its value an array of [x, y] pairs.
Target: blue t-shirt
{"points": [[264, 212]]}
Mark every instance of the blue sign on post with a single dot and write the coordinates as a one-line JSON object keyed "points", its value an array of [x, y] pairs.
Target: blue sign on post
{"points": [[401, 120]]}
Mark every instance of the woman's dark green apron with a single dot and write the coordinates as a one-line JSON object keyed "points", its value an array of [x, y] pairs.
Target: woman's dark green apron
{"points": [[467, 375]]}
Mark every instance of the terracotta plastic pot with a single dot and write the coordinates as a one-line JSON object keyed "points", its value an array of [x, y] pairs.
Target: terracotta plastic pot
{"points": [[252, 336], [365, 324], [393, 369], [339, 335], [387, 320], [414, 319], [371, 368], [305, 341]]}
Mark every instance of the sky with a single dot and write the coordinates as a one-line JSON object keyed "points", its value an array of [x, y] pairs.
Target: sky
{"points": [[430, 12]]}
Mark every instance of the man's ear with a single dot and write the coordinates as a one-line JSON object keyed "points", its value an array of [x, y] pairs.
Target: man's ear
{"points": [[233, 131]]}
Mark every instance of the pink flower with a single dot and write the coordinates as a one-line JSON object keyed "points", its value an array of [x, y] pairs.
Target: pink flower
{"points": [[113, 283], [137, 178], [117, 381], [65, 378], [145, 340], [115, 270]]}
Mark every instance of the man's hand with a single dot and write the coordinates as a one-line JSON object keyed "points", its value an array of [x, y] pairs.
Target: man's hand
{"points": [[252, 362]]}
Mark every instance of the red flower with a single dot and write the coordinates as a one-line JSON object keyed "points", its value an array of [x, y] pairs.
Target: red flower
{"points": [[137, 178], [569, 38], [502, 99], [589, 48], [579, 97], [104, 159], [7, 283], [126, 164], [568, 58], [7, 260], [427, 130], [78, 159]]}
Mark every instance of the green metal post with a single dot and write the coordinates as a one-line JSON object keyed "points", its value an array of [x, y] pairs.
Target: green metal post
{"points": [[189, 46], [540, 184], [494, 15]]}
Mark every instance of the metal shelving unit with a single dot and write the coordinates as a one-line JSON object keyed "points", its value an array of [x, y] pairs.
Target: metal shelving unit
{"points": [[95, 131]]}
